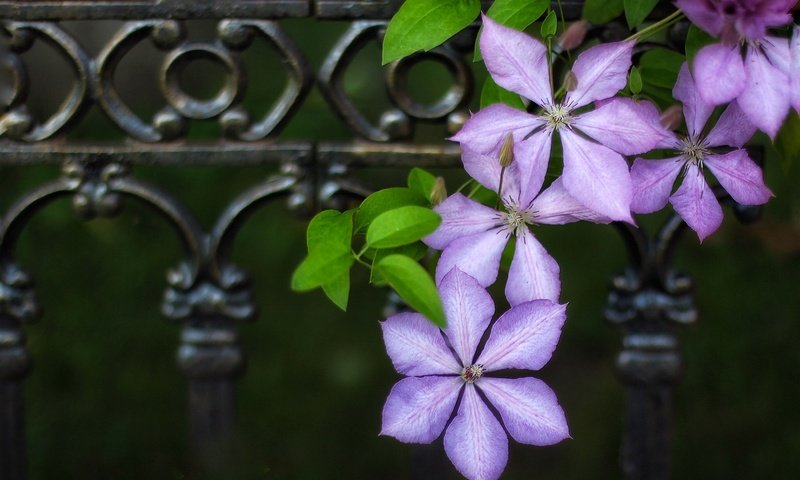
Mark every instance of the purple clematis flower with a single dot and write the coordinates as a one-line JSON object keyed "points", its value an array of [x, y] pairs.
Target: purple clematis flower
{"points": [[594, 171], [736, 172], [443, 366], [756, 80], [473, 236]]}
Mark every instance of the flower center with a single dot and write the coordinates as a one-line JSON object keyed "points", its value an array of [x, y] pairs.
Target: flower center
{"points": [[472, 372], [558, 116], [515, 219], [729, 8], [694, 150]]}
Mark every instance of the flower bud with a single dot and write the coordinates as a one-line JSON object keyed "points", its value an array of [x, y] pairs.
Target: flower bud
{"points": [[507, 151], [439, 192], [573, 36], [671, 117], [570, 81]]}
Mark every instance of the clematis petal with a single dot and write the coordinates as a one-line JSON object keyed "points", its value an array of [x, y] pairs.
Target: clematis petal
{"points": [[624, 125], [486, 170], [695, 109], [719, 73], [534, 274], [477, 255], [531, 158], [468, 308], [555, 206], [740, 176], [732, 129], [460, 217], [652, 182], [766, 98], [418, 408], [703, 15], [696, 204], [529, 409], [524, 337], [770, 13], [795, 68], [516, 61], [778, 52], [601, 72], [486, 130], [597, 177], [475, 441], [416, 347]]}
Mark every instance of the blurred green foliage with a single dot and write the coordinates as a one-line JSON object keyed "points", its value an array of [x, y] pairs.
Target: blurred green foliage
{"points": [[105, 400]]}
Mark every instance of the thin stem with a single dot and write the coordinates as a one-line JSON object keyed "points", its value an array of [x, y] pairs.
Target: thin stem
{"points": [[500, 188], [463, 186], [657, 27], [474, 189], [550, 62], [357, 256]]}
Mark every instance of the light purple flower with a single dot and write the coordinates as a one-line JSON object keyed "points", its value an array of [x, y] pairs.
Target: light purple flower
{"points": [[594, 171], [788, 61], [443, 366], [758, 83], [736, 172], [473, 236], [794, 68]]}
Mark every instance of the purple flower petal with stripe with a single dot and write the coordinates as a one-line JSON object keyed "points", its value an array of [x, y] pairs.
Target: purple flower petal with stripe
{"points": [[418, 408], [694, 200], [518, 63], [758, 76]]}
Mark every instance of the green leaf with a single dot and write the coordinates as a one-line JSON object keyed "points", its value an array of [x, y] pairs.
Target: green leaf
{"points": [[415, 251], [414, 286], [517, 14], [401, 226], [549, 25], [492, 93], [338, 291], [660, 67], [695, 40], [635, 81], [421, 182], [481, 194], [331, 226], [602, 11], [325, 262], [636, 11], [425, 24], [384, 200]]}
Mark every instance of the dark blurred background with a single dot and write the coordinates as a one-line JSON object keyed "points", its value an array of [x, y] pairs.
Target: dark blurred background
{"points": [[106, 401]]}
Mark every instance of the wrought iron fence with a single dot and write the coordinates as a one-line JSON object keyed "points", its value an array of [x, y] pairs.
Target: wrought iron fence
{"points": [[206, 292]]}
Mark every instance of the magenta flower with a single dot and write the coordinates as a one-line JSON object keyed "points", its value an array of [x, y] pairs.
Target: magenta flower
{"points": [[736, 172], [594, 171], [445, 365], [756, 80], [473, 236]]}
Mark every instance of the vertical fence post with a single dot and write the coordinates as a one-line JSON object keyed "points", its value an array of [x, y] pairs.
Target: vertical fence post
{"points": [[14, 366], [649, 302], [18, 305], [210, 357]]}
